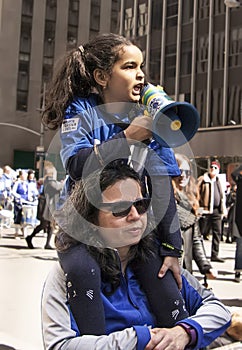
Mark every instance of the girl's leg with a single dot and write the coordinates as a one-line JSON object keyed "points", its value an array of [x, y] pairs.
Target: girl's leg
{"points": [[83, 281], [163, 294]]}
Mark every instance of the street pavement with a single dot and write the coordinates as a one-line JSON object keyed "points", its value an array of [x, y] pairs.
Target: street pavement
{"points": [[23, 272]]}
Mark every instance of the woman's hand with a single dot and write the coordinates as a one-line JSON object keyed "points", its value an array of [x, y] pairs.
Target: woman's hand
{"points": [[171, 263], [139, 129], [174, 338]]}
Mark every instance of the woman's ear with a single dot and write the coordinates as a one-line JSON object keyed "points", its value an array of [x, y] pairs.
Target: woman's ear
{"points": [[100, 77]]}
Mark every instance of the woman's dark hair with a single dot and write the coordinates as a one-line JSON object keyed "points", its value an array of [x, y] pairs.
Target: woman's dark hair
{"points": [[83, 201], [74, 78]]}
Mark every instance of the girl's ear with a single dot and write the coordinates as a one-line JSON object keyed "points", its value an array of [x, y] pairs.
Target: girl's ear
{"points": [[100, 77]]}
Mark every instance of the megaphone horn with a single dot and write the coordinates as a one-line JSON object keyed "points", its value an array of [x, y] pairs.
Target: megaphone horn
{"points": [[174, 123]]}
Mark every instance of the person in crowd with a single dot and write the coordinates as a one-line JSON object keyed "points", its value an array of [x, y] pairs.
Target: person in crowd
{"points": [[6, 202], [212, 200], [40, 184], [32, 188], [48, 200], [7, 180], [25, 198], [95, 101], [112, 216], [187, 198], [2, 190], [230, 204], [237, 178]]}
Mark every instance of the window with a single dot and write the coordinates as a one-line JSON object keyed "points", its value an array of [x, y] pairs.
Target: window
{"points": [[51, 8], [155, 65], [142, 20], [187, 12], [115, 16], [200, 104], [47, 70], [202, 54], [73, 18], [170, 61], [186, 57], [218, 54], [203, 9], [172, 12], [74, 5], [22, 100], [27, 7], [235, 54], [219, 7], [25, 36], [23, 83], [216, 107], [24, 55], [156, 15], [95, 16], [234, 103], [49, 39], [128, 22]]}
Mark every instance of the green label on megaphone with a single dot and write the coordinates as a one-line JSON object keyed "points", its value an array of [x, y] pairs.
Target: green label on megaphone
{"points": [[155, 98]]}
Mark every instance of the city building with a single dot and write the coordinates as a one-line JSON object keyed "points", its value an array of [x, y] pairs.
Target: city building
{"points": [[193, 48]]}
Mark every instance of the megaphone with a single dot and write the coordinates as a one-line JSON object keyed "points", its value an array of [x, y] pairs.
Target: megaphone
{"points": [[174, 123]]}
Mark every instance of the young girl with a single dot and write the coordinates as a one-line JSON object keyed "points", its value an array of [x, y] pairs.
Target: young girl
{"points": [[94, 100]]}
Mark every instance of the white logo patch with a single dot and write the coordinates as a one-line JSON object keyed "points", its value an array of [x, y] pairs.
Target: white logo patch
{"points": [[90, 294], [69, 125]]}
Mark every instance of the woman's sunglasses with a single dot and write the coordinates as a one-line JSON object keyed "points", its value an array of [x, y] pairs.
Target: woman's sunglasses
{"points": [[186, 172], [122, 208], [214, 167]]}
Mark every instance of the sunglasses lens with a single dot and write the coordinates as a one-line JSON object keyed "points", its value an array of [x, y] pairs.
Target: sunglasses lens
{"points": [[186, 172], [142, 205], [122, 209], [120, 212]]}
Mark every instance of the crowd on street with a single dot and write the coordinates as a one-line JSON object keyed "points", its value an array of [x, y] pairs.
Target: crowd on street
{"points": [[23, 202]]}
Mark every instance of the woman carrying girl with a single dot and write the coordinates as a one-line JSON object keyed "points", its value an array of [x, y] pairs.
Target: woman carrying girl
{"points": [[94, 101]]}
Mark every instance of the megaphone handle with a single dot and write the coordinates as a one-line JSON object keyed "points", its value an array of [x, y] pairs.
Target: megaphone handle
{"points": [[137, 157]]}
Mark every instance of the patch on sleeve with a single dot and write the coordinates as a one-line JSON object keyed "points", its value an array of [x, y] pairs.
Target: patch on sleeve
{"points": [[69, 125]]}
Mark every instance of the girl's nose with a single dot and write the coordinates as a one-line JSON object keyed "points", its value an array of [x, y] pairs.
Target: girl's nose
{"points": [[140, 74]]}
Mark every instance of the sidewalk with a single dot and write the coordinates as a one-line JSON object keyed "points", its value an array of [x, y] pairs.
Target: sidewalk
{"points": [[23, 272], [224, 286]]}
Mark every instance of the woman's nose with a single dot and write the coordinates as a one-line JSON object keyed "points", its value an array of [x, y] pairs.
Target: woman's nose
{"points": [[133, 214]]}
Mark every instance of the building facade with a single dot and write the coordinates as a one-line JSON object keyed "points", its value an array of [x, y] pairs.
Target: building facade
{"points": [[191, 47]]}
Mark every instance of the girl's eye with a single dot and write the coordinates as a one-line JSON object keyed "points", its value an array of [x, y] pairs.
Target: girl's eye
{"points": [[129, 66]]}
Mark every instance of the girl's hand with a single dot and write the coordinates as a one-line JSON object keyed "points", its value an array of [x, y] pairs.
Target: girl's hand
{"points": [[139, 129], [171, 263], [174, 338]]}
